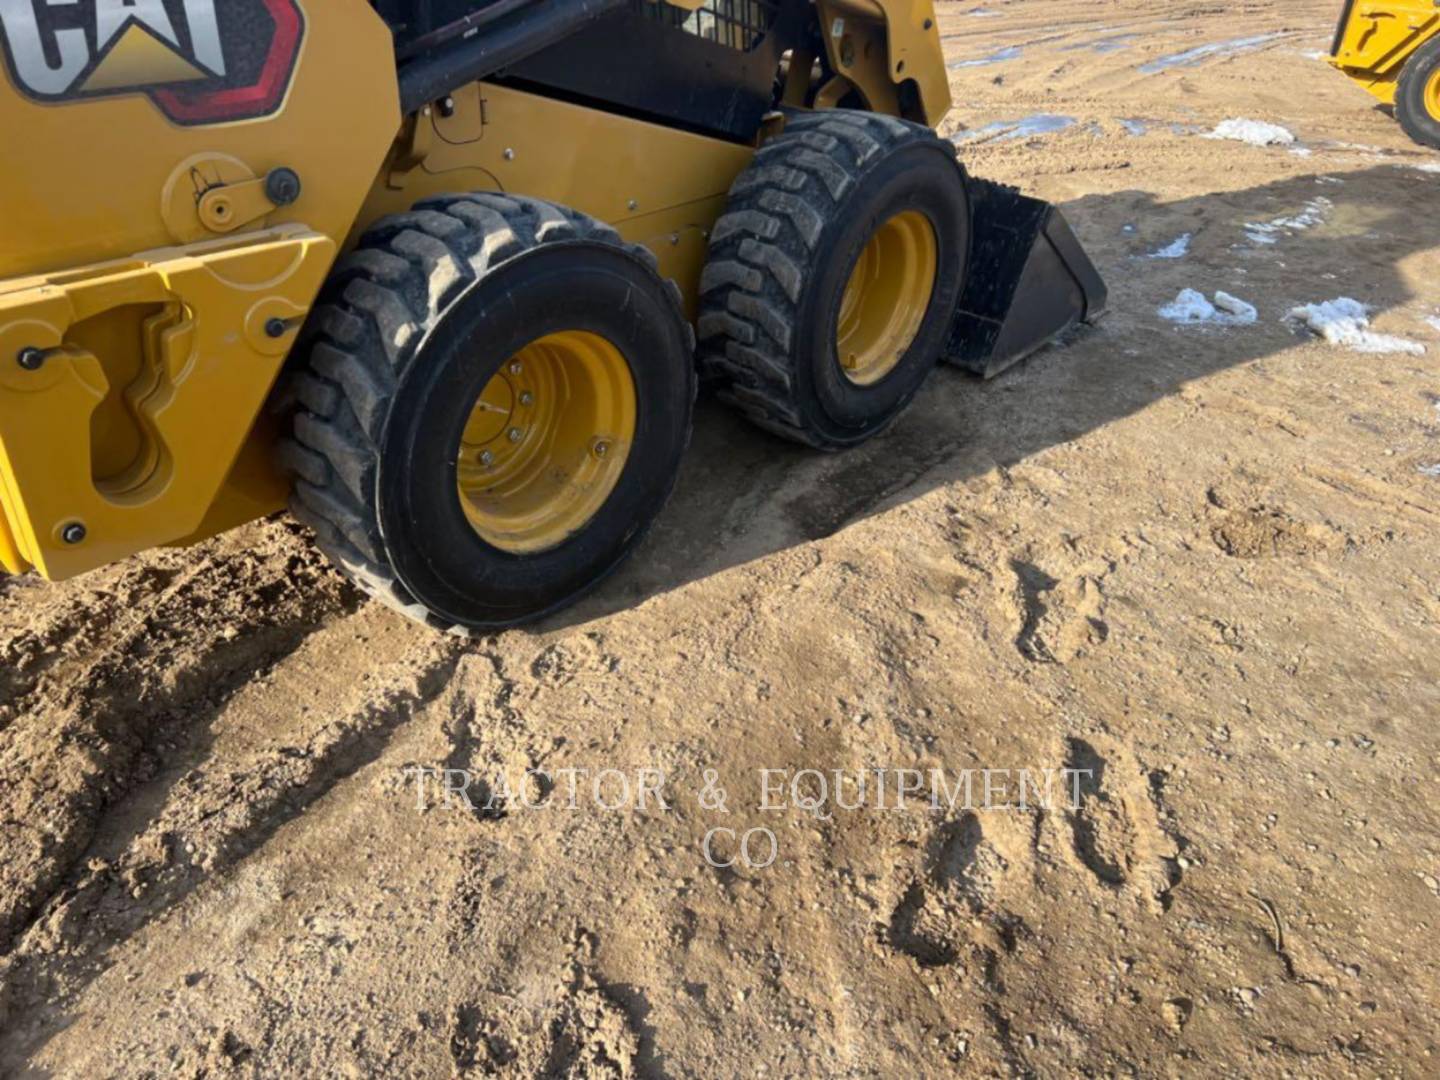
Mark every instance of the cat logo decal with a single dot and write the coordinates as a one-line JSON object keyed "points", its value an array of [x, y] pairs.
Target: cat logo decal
{"points": [[199, 61]]}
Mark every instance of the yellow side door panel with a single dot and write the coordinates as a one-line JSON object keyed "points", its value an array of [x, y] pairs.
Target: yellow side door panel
{"points": [[127, 390]]}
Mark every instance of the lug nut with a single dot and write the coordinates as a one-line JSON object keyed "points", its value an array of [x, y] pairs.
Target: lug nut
{"points": [[487, 458], [74, 533], [515, 367], [31, 358], [601, 448], [527, 398], [515, 434]]}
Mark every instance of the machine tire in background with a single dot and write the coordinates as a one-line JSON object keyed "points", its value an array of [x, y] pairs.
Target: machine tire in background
{"points": [[833, 275], [494, 397], [1417, 96]]}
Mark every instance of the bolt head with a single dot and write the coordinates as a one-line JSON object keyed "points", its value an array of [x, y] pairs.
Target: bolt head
{"points": [[276, 328], [31, 358], [509, 154], [515, 434], [601, 448], [634, 204], [74, 533], [487, 458], [516, 367], [527, 398]]}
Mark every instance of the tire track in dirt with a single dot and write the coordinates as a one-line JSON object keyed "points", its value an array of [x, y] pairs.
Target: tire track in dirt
{"points": [[166, 646], [295, 730]]}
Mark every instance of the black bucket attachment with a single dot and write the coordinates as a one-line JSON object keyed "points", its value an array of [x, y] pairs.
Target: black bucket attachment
{"points": [[1029, 279]]}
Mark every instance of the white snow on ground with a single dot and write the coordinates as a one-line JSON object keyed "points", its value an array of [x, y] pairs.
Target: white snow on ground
{"points": [[1191, 306], [1176, 249], [1430, 470], [1434, 321], [1429, 166], [1311, 214], [1345, 322], [1254, 132]]}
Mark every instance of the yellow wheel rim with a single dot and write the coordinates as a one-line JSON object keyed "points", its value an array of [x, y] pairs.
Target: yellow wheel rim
{"points": [[886, 298], [1432, 94], [547, 441]]}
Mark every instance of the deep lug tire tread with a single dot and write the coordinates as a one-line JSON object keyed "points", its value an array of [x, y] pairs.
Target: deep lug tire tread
{"points": [[376, 309], [763, 251]]}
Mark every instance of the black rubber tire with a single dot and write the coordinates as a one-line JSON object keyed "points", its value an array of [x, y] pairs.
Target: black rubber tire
{"points": [[1410, 109], [410, 328], [797, 219]]}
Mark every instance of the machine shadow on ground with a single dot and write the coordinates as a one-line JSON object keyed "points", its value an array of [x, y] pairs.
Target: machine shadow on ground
{"points": [[744, 494]]}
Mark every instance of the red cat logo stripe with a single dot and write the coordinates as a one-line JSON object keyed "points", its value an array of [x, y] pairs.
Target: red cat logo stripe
{"points": [[199, 61]]}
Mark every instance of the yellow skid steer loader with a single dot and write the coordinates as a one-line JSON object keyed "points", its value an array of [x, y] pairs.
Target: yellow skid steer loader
{"points": [[445, 275], [1392, 48]]}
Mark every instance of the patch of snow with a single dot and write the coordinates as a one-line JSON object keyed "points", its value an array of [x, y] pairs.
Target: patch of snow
{"points": [[1190, 57], [1134, 127], [1190, 306], [1011, 53], [1434, 323], [1301, 151], [1311, 214], [981, 13], [1313, 54], [1345, 322], [1429, 470], [1176, 249], [1429, 167], [1005, 130], [1254, 132]]}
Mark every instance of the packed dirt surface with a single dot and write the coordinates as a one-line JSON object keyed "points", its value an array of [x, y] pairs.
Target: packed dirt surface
{"points": [[1198, 565]]}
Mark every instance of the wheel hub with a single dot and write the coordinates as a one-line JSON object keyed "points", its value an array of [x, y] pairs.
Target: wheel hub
{"points": [[546, 441], [886, 297]]}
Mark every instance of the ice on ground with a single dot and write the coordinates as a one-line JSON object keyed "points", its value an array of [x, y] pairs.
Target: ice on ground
{"points": [[1254, 132], [1311, 214], [1134, 127], [1005, 130], [1190, 306], [1345, 322], [1429, 470], [1176, 249], [1434, 322], [1011, 53], [1102, 45], [982, 13], [1190, 57], [1429, 166]]}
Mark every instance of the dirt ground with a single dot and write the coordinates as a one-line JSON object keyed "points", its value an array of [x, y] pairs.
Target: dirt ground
{"points": [[1199, 565]]}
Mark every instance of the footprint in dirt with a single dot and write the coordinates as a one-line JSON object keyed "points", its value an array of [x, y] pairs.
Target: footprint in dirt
{"points": [[1115, 828], [930, 921]]}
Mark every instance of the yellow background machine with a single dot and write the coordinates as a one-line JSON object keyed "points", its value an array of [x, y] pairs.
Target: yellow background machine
{"points": [[1392, 48]]}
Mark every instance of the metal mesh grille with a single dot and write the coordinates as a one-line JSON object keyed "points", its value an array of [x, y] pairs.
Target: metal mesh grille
{"points": [[740, 24]]}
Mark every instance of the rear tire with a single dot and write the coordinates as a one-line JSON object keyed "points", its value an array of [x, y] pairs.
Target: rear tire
{"points": [[839, 198], [415, 332], [1417, 95]]}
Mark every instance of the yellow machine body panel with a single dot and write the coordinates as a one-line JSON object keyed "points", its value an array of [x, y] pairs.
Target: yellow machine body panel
{"points": [[1376, 37], [146, 376], [159, 288]]}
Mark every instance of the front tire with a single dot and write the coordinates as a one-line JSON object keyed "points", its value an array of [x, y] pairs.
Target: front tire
{"points": [[1417, 96], [494, 404], [833, 275]]}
